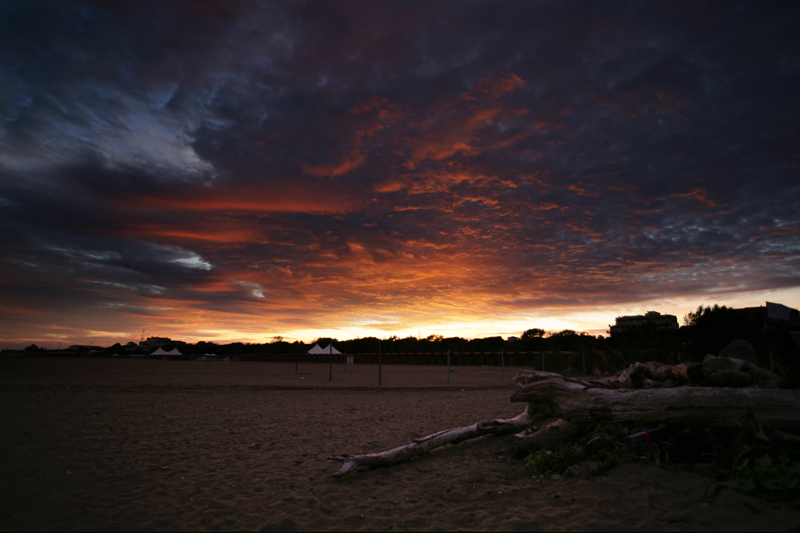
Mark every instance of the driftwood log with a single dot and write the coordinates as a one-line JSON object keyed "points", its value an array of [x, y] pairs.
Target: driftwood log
{"points": [[713, 372], [721, 392], [580, 402], [426, 444]]}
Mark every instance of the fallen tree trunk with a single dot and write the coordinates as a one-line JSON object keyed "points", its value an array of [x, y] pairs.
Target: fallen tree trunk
{"points": [[713, 372], [426, 444], [548, 396], [573, 403]]}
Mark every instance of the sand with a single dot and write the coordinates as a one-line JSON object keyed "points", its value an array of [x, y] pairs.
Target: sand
{"points": [[118, 444]]}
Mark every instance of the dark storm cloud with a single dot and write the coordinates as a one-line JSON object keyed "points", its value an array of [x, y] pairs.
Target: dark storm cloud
{"points": [[258, 158]]}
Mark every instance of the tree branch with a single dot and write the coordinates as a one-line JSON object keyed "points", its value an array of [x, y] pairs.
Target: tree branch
{"points": [[426, 444]]}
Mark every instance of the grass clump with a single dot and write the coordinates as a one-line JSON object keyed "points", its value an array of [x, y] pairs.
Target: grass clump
{"points": [[716, 453], [603, 444], [553, 463]]}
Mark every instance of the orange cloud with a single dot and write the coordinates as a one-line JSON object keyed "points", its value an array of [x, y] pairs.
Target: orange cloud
{"points": [[580, 190], [211, 235], [700, 195], [452, 128], [351, 161], [493, 87], [366, 119], [291, 197]]}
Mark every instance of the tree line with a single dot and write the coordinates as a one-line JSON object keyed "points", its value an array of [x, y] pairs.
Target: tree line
{"points": [[706, 330]]}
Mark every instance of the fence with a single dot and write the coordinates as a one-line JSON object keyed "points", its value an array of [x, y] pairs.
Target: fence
{"points": [[573, 363], [562, 362]]}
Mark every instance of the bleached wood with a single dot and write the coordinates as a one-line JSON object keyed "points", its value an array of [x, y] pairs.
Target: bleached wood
{"points": [[423, 445], [575, 402], [699, 406]]}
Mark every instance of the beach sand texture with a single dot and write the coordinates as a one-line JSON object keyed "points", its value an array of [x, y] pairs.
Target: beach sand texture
{"points": [[109, 444]]}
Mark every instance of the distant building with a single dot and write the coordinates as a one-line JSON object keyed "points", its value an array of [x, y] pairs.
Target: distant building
{"points": [[781, 312], [772, 312], [654, 318], [156, 341], [80, 348]]}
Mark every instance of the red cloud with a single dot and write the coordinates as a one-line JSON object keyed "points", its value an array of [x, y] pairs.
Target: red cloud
{"points": [[700, 195], [493, 87], [351, 161]]}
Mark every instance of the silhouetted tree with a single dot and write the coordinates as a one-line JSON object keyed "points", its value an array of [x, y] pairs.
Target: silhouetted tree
{"points": [[564, 340], [712, 328], [533, 333], [531, 339], [455, 344], [690, 318], [486, 344], [115, 348]]}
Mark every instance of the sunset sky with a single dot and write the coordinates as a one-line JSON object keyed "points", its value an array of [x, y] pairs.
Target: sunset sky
{"points": [[238, 171]]}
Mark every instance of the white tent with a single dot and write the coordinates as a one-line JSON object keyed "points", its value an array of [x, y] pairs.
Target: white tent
{"points": [[317, 350], [161, 351]]}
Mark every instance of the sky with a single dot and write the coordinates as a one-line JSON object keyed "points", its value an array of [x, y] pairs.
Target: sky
{"points": [[237, 171]]}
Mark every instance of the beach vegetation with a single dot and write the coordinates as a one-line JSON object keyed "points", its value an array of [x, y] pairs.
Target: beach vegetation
{"points": [[603, 444], [779, 476], [715, 453], [553, 463]]}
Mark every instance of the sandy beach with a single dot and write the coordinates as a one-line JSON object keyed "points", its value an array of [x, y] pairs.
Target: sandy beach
{"points": [[119, 444]]}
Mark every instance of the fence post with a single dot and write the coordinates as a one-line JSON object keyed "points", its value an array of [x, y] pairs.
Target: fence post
{"points": [[379, 362], [330, 361], [448, 365], [542, 360], [584, 362], [503, 363]]}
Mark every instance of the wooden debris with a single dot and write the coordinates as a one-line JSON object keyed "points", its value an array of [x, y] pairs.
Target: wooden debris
{"points": [[721, 392], [713, 372], [426, 444], [690, 406]]}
